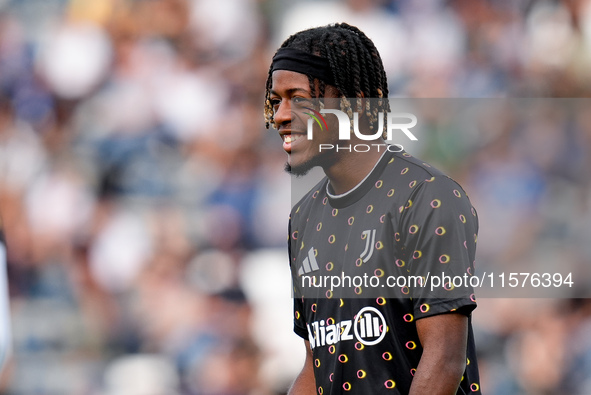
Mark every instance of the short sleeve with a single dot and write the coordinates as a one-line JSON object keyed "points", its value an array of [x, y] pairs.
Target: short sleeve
{"points": [[438, 233], [299, 325]]}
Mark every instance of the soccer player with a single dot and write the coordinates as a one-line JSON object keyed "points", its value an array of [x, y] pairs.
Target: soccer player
{"points": [[380, 213]]}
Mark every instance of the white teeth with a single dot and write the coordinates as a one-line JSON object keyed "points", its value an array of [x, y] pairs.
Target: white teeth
{"points": [[290, 138]]}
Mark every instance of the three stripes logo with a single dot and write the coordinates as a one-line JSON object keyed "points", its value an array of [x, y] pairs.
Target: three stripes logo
{"points": [[310, 264], [370, 239]]}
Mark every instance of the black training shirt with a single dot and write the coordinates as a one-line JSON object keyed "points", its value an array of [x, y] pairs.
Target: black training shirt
{"points": [[405, 221]]}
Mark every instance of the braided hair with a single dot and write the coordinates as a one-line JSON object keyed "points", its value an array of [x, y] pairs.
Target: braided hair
{"points": [[355, 63]]}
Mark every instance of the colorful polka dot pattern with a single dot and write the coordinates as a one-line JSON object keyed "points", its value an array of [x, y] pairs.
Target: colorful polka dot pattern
{"points": [[424, 223]]}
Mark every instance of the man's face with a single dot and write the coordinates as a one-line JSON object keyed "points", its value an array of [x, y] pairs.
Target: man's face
{"points": [[288, 90]]}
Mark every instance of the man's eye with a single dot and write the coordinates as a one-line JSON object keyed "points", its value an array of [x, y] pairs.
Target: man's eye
{"points": [[275, 103], [301, 101]]}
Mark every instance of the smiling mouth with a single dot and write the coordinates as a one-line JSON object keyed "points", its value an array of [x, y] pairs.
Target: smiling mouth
{"points": [[291, 138]]}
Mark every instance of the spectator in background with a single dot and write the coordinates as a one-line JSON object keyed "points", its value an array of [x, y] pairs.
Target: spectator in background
{"points": [[5, 321], [109, 144]]}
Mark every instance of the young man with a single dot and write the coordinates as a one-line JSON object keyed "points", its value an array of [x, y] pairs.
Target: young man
{"points": [[380, 213]]}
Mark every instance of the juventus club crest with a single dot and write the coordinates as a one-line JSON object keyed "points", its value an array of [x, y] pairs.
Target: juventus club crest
{"points": [[370, 240]]}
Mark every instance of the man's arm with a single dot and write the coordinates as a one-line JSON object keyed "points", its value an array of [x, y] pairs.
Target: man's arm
{"points": [[444, 338], [5, 332], [305, 384]]}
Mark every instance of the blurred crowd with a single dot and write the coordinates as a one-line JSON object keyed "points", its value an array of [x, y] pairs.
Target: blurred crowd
{"points": [[146, 208]]}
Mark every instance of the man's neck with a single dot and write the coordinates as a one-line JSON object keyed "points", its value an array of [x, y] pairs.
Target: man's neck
{"points": [[351, 168]]}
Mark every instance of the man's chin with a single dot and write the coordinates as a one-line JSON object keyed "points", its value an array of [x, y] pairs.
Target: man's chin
{"points": [[302, 168], [299, 170]]}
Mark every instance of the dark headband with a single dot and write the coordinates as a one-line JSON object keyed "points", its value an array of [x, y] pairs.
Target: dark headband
{"points": [[303, 62]]}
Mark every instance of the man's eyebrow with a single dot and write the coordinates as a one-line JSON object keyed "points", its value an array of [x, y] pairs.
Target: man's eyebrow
{"points": [[290, 91]]}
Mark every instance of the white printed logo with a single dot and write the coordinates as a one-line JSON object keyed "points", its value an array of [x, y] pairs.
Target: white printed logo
{"points": [[310, 264], [369, 324], [370, 238], [369, 328]]}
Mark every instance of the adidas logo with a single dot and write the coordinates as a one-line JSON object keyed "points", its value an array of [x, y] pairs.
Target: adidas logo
{"points": [[310, 264]]}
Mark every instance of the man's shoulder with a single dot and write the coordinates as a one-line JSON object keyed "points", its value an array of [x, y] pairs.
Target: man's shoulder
{"points": [[308, 200], [413, 166], [423, 174]]}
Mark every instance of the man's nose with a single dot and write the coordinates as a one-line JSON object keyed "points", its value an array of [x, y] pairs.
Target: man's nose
{"points": [[283, 113]]}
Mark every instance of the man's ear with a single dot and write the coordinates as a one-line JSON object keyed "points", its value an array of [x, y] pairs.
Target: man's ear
{"points": [[331, 90]]}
